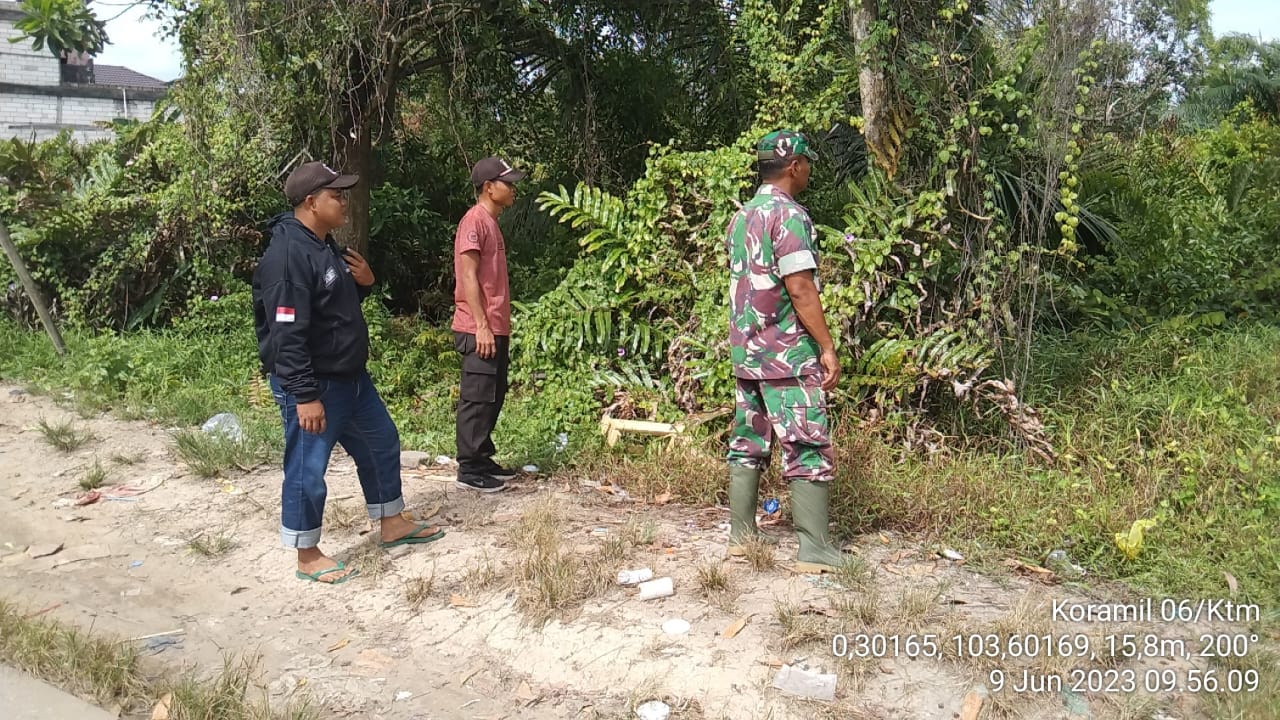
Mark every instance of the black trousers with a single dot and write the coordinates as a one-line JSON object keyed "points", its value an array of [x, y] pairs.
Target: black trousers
{"points": [[483, 390]]}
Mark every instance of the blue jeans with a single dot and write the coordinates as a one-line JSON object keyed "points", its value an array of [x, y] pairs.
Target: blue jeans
{"points": [[356, 418]]}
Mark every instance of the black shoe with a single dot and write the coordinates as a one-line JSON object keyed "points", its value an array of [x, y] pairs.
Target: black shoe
{"points": [[494, 470], [481, 483], [486, 466]]}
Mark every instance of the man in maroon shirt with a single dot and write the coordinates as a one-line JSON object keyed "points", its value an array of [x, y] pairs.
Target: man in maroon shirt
{"points": [[482, 324]]}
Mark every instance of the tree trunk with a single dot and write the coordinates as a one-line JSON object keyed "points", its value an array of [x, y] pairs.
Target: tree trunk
{"points": [[874, 89], [355, 155], [33, 291], [369, 110]]}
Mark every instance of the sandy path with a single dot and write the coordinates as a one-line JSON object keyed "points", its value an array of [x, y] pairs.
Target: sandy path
{"points": [[124, 567]]}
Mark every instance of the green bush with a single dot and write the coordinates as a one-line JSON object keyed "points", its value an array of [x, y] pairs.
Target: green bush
{"points": [[123, 234], [1180, 428], [1197, 221], [207, 363]]}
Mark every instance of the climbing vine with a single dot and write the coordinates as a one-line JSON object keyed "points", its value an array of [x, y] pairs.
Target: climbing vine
{"points": [[932, 255]]}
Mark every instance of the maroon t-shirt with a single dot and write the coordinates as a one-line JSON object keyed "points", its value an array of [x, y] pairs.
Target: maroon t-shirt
{"points": [[478, 230]]}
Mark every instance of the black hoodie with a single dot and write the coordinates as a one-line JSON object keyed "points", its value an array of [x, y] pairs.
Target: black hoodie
{"points": [[306, 311]]}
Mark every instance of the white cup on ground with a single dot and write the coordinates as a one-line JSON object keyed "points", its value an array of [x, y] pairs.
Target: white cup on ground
{"points": [[660, 588]]}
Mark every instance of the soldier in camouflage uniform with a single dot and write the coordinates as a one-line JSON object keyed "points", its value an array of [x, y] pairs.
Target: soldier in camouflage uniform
{"points": [[783, 357]]}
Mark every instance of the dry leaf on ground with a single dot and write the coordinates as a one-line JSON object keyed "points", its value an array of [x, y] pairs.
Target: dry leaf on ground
{"points": [[525, 693], [736, 627]]}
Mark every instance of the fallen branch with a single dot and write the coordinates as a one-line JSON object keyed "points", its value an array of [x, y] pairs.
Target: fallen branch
{"points": [[612, 428], [33, 292], [41, 612], [179, 631]]}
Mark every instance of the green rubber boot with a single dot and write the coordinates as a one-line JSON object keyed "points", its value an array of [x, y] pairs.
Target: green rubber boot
{"points": [[810, 502], [744, 494]]}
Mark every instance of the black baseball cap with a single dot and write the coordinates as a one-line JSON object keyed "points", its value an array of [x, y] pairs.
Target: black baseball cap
{"points": [[492, 168], [310, 177]]}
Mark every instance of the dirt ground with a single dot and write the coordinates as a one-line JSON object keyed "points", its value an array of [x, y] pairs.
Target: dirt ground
{"points": [[361, 650]]}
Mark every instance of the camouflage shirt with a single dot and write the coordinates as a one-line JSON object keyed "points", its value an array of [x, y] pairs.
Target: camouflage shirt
{"points": [[769, 238]]}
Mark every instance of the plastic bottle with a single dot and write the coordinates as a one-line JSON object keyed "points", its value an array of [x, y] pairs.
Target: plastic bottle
{"points": [[634, 577]]}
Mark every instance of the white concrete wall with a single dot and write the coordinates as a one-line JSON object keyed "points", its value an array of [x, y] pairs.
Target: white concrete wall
{"points": [[31, 115], [20, 63]]}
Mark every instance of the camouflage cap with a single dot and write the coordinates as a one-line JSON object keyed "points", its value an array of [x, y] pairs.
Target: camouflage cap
{"points": [[784, 144]]}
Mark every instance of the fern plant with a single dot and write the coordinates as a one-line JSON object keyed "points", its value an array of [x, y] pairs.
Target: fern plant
{"points": [[609, 221], [653, 269], [892, 368]]}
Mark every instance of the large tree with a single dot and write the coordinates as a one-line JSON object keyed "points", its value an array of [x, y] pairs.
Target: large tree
{"points": [[344, 68]]}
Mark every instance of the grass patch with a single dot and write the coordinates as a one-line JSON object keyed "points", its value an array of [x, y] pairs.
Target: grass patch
{"points": [[227, 695], [800, 628], [552, 580], [645, 469], [127, 459], [638, 533], [345, 516], [481, 574], [651, 689], [419, 589], [211, 546], [760, 554], [1180, 430], [110, 671], [549, 577], [614, 549], [371, 560], [717, 584], [917, 606], [1261, 702], [64, 436], [96, 667], [714, 578], [93, 477], [855, 573], [211, 455], [862, 609]]}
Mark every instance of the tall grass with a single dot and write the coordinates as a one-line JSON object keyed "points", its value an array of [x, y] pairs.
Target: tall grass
{"points": [[1184, 431], [112, 672], [207, 364], [1179, 428]]}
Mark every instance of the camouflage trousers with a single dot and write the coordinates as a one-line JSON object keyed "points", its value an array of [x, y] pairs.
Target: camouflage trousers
{"points": [[794, 412]]}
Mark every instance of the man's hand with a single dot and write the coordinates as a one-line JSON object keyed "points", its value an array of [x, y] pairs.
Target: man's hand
{"points": [[360, 270], [486, 345], [311, 416], [831, 364]]}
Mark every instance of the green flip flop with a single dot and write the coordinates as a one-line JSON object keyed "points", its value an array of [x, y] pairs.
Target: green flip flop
{"points": [[315, 576], [412, 537]]}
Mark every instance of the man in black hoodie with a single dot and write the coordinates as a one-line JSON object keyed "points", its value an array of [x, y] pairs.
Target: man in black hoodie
{"points": [[313, 343]]}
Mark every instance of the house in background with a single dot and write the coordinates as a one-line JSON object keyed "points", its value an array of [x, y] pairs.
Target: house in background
{"points": [[41, 94]]}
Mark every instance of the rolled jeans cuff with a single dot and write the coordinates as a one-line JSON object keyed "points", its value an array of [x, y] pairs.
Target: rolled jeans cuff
{"points": [[301, 539], [386, 509]]}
